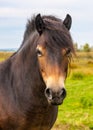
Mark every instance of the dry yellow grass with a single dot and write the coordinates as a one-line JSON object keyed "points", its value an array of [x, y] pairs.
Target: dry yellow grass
{"points": [[5, 55]]}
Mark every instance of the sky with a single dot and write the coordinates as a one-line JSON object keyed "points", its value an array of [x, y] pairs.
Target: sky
{"points": [[15, 13]]}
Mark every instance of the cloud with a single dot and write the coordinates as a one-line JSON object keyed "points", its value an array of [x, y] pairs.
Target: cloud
{"points": [[23, 9], [40, 4], [14, 14]]}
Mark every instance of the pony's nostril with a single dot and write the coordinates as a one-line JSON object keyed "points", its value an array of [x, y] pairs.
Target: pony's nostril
{"points": [[63, 93], [48, 93]]}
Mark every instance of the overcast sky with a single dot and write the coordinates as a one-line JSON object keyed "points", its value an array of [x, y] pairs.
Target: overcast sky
{"points": [[14, 15]]}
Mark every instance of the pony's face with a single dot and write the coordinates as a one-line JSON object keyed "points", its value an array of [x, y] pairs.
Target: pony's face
{"points": [[53, 64]]}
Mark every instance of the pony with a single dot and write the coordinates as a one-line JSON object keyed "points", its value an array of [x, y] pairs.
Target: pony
{"points": [[32, 80]]}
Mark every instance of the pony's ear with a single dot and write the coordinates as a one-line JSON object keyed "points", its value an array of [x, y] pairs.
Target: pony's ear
{"points": [[67, 21], [40, 26]]}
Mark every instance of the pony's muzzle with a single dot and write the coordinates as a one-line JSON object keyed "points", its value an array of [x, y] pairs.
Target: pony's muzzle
{"points": [[55, 98]]}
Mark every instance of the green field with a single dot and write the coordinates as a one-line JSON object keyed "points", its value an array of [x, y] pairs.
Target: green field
{"points": [[76, 113]]}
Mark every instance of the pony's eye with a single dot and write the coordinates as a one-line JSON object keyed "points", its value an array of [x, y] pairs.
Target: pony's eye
{"points": [[39, 53], [68, 52]]}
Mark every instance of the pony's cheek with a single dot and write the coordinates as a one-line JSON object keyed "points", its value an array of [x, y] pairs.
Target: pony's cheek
{"points": [[44, 75], [43, 68]]}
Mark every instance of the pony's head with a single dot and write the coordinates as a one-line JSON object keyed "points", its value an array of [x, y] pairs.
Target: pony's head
{"points": [[54, 47], [53, 50]]}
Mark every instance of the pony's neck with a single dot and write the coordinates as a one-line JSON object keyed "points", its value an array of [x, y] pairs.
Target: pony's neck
{"points": [[27, 79]]}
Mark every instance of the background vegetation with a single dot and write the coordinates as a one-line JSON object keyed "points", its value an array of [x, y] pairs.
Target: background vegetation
{"points": [[76, 113]]}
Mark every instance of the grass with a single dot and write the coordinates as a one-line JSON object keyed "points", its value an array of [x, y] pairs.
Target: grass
{"points": [[76, 113], [4, 55]]}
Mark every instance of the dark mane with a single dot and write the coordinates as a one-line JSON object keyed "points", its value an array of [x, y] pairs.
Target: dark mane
{"points": [[30, 26], [53, 26]]}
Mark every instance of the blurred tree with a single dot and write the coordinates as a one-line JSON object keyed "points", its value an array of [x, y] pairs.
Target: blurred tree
{"points": [[86, 47], [76, 46]]}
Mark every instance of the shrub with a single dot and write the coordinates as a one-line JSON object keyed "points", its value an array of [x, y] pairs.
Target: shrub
{"points": [[77, 75], [90, 62], [86, 102]]}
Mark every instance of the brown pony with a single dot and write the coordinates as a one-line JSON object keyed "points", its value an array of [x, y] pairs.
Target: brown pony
{"points": [[32, 79]]}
